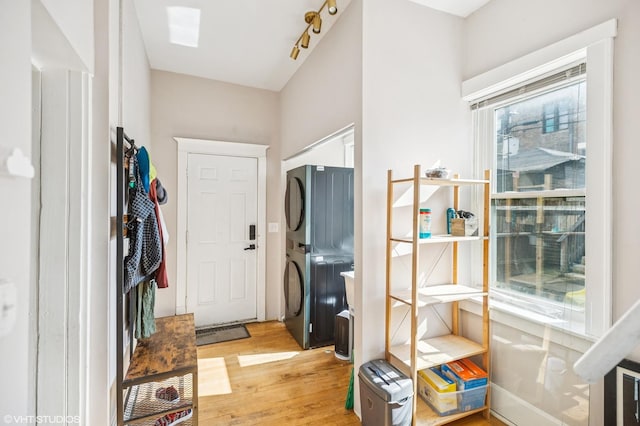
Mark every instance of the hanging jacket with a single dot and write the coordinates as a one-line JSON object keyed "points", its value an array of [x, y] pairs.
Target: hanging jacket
{"points": [[145, 247]]}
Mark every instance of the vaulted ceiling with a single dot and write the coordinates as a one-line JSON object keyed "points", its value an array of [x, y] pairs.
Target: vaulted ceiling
{"points": [[245, 42]]}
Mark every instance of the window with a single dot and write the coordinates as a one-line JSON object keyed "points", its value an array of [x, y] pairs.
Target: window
{"points": [[530, 156], [551, 196], [538, 200]]}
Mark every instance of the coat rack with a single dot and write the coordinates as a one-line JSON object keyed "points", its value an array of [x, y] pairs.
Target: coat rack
{"points": [[168, 358], [121, 154]]}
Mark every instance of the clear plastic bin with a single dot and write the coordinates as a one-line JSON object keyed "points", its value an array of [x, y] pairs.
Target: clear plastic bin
{"points": [[446, 403]]}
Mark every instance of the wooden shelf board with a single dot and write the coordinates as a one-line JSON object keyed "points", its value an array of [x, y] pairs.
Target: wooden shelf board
{"points": [[425, 416], [443, 293], [142, 404], [171, 350], [437, 350], [442, 182], [401, 299], [438, 239], [402, 180], [402, 240], [451, 182]]}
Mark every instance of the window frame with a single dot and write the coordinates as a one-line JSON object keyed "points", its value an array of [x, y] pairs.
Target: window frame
{"points": [[595, 47]]}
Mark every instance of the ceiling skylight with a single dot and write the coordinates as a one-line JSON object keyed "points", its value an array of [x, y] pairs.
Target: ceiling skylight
{"points": [[462, 8], [184, 25]]}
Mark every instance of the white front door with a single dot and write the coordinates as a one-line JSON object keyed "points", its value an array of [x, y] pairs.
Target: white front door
{"points": [[221, 254]]}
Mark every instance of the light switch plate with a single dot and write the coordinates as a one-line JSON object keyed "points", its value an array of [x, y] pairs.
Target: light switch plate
{"points": [[274, 227], [8, 307]]}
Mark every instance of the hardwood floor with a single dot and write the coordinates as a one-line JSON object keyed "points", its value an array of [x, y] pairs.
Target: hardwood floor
{"points": [[268, 380]]}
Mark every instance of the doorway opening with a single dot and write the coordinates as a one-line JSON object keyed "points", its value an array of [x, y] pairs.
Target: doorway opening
{"points": [[209, 179], [335, 150], [318, 186]]}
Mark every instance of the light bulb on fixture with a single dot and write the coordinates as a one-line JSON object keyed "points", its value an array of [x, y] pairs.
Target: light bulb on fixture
{"points": [[332, 7], [314, 20], [317, 23]]}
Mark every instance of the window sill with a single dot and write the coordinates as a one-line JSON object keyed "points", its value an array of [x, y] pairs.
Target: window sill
{"points": [[538, 325]]}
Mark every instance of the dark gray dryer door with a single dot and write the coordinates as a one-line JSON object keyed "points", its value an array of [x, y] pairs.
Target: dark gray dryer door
{"points": [[296, 296], [295, 205], [293, 289]]}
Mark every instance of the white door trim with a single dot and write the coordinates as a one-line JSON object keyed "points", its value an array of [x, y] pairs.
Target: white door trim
{"points": [[188, 146]]}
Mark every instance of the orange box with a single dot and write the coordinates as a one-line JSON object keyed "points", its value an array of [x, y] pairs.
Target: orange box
{"points": [[465, 373]]}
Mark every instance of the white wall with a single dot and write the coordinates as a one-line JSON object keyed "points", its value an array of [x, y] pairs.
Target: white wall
{"points": [[198, 108], [412, 114], [324, 96], [136, 79], [100, 340], [128, 82], [50, 48], [15, 214], [73, 18], [79, 23], [327, 153]]}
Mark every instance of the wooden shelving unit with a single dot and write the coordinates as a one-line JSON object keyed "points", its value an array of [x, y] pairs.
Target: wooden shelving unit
{"points": [[419, 354]]}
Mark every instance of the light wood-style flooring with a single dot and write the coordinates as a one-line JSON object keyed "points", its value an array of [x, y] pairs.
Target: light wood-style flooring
{"points": [[268, 379]]}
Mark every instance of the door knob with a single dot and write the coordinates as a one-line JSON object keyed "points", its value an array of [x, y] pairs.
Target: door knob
{"points": [[251, 247]]}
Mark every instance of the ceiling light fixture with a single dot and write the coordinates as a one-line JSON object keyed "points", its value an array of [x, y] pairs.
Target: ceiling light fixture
{"points": [[314, 21], [304, 43]]}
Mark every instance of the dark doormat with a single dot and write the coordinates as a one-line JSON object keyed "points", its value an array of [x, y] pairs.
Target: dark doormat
{"points": [[208, 336]]}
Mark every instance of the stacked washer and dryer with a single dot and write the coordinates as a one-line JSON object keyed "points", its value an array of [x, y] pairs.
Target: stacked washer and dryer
{"points": [[319, 246]]}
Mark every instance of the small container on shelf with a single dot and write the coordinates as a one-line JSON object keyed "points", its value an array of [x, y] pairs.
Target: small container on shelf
{"points": [[425, 223], [465, 373], [438, 173], [438, 390], [457, 227], [468, 377], [438, 380], [451, 214], [465, 224], [470, 388], [447, 403]]}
